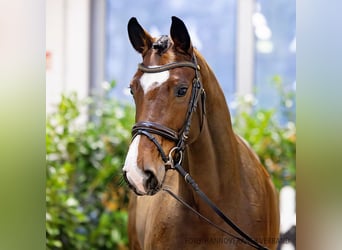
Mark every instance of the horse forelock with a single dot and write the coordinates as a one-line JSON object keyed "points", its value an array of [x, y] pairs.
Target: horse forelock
{"points": [[163, 52]]}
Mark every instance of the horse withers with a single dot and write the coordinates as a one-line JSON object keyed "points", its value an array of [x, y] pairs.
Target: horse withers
{"points": [[182, 118]]}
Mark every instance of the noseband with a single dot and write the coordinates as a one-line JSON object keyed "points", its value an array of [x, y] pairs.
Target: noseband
{"points": [[149, 129]]}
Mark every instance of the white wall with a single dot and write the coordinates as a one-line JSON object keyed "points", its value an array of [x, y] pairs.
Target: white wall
{"points": [[244, 47], [67, 41]]}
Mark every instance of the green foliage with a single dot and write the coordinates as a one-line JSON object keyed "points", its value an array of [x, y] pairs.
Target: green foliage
{"points": [[274, 143], [86, 206]]}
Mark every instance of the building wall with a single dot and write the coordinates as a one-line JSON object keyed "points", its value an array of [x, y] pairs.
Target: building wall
{"points": [[67, 48]]}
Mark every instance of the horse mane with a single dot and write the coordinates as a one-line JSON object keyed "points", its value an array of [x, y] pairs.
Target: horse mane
{"points": [[213, 88]]}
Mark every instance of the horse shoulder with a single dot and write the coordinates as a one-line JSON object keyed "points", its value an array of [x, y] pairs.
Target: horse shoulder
{"points": [[262, 197]]}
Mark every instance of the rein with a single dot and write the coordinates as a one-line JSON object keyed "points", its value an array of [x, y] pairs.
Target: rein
{"points": [[147, 129], [188, 179]]}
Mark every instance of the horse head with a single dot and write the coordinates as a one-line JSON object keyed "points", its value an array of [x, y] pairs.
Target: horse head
{"points": [[164, 94]]}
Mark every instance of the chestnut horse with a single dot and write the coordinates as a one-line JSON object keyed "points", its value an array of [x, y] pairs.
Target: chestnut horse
{"points": [[182, 117]]}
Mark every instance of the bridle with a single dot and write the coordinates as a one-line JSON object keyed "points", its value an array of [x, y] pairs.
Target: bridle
{"points": [[149, 129]]}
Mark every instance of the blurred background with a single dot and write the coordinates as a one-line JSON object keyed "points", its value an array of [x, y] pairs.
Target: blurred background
{"points": [[251, 47]]}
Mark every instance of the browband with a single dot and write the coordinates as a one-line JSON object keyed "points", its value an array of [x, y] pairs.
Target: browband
{"points": [[156, 69]]}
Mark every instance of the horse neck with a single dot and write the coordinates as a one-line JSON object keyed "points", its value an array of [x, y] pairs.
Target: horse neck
{"points": [[211, 158]]}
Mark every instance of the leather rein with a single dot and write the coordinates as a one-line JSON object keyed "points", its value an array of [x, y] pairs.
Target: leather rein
{"points": [[149, 129]]}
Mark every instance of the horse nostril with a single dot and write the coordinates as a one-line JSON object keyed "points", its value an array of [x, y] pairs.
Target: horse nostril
{"points": [[151, 181], [124, 175]]}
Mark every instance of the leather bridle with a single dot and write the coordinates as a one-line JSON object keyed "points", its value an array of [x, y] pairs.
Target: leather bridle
{"points": [[149, 129], [180, 137]]}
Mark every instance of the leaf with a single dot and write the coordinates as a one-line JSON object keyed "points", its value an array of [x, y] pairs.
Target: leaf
{"points": [[81, 161]]}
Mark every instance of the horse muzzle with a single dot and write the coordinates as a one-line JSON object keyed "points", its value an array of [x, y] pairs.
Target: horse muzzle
{"points": [[143, 174], [148, 184]]}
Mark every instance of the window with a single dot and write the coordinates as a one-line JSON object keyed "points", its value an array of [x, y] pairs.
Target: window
{"points": [[247, 43], [211, 27], [274, 25]]}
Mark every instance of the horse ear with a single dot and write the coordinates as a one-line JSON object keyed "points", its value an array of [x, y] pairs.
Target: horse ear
{"points": [[140, 39], [180, 36]]}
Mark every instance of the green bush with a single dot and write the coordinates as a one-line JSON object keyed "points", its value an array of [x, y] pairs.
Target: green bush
{"points": [[86, 205]]}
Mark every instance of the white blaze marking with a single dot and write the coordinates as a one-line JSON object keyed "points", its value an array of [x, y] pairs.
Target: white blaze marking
{"points": [[150, 81], [134, 174]]}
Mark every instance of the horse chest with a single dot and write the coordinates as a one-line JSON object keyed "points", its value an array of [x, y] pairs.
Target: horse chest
{"points": [[162, 223], [157, 218]]}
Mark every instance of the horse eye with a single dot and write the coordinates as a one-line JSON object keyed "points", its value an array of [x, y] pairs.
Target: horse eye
{"points": [[181, 91], [131, 91]]}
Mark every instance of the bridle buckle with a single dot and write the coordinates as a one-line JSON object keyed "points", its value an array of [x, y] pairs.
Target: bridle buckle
{"points": [[170, 164]]}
